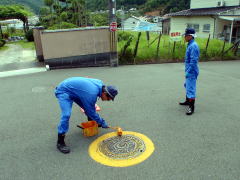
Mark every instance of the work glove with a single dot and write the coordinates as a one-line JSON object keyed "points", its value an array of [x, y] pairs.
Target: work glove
{"points": [[104, 124]]}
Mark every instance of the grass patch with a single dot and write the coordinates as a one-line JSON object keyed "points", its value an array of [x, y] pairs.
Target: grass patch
{"points": [[148, 53], [25, 44], [4, 48]]}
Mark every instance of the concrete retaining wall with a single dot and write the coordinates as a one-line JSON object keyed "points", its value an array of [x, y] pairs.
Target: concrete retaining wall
{"points": [[81, 47]]}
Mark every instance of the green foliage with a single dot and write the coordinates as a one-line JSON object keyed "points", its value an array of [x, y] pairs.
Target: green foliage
{"points": [[29, 35], [148, 54], [48, 2], [62, 25], [64, 16], [60, 11], [99, 19], [165, 6], [127, 57], [25, 44], [124, 35], [2, 42], [18, 32], [3, 48], [14, 12], [12, 30], [34, 5], [92, 5], [126, 54], [5, 35], [44, 11]]}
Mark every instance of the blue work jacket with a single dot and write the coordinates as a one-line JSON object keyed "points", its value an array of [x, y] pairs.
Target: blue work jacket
{"points": [[85, 92], [191, 60]]}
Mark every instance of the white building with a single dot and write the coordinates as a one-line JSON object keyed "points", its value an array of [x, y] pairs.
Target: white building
{"points": [[140, 24], [215, 17]]}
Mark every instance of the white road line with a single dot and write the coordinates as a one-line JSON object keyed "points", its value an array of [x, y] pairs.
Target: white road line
{"points": [[22, 72]]}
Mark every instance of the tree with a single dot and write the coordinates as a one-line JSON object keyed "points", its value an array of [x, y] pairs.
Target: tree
{"points": [[49, 3], [16, 12]]}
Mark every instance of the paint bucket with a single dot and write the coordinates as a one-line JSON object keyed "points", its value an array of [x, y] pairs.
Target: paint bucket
{"points": [[89, 128]]}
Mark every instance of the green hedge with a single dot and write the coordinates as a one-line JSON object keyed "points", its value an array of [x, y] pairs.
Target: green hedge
{"points": [[29, 35]]}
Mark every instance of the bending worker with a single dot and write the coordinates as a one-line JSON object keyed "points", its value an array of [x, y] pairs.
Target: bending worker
{"points": [[191, 70], [84, 92]]}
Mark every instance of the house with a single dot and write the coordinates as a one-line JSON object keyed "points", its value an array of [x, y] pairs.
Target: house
{"points": [[139, 24], [15, 23], [18, 24], [132, 22], [220, 19], [157, 19]]}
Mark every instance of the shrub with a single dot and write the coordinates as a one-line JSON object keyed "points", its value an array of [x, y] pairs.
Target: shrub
{"points": [[127, 57], [29, 35], [2, 42], [5, 35], [63, 25], [124, 36], [12, 30]]}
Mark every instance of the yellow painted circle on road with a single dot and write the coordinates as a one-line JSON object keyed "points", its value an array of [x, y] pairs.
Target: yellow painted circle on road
{"points": [[129, 149]]}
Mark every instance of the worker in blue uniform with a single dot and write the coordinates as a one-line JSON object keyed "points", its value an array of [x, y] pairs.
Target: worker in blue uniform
{"points": [[84, 92], [191, 70]]}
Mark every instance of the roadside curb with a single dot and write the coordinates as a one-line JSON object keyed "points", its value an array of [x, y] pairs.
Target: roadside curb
{"points": [[22, 72]]}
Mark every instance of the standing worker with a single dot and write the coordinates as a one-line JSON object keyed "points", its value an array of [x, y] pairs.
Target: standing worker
{"points": [[84, 92], [191, 70]]}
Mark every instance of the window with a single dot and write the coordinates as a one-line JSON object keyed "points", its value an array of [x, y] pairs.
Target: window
{"points": [[206, 28], [194, 26]]}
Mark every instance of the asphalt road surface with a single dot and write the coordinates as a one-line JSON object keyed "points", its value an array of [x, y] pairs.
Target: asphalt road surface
{"points": [[204, 146]]}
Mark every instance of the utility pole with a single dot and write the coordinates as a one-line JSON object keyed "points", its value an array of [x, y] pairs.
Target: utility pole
{"points": [[113, 34], [112, 11], [122, 17]]}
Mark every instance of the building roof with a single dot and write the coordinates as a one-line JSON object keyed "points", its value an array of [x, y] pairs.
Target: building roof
{"points": [[203, 11], [139, 18], [147, 26]]}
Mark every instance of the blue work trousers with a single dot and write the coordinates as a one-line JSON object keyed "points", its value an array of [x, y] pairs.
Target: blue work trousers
{"points": [[65, 103], [190, 85]]}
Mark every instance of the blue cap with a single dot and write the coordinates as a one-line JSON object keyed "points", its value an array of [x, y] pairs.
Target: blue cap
{"points": [[112, 91], [189, 31]]}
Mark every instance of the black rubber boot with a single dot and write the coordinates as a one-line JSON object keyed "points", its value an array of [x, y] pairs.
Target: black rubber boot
{"points": [[190, 108], [185, 103], [61, 146]]}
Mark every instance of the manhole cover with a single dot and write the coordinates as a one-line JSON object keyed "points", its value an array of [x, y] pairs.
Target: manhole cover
{"points": [[124, 147], [119, 151]]}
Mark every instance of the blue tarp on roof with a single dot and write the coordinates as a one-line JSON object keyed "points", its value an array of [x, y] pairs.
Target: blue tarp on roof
{"points": [[146, 26]]}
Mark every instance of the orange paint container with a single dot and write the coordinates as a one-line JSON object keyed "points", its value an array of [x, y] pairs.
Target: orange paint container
{"points": [[89, 128]]}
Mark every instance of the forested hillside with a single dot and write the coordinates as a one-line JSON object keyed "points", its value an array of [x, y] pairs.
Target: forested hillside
{"points": [[165, 6], [34, 5]]}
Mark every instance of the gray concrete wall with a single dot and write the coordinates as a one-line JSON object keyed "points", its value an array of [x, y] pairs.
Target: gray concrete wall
{"points": [[38, 43], [81, 47]]}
